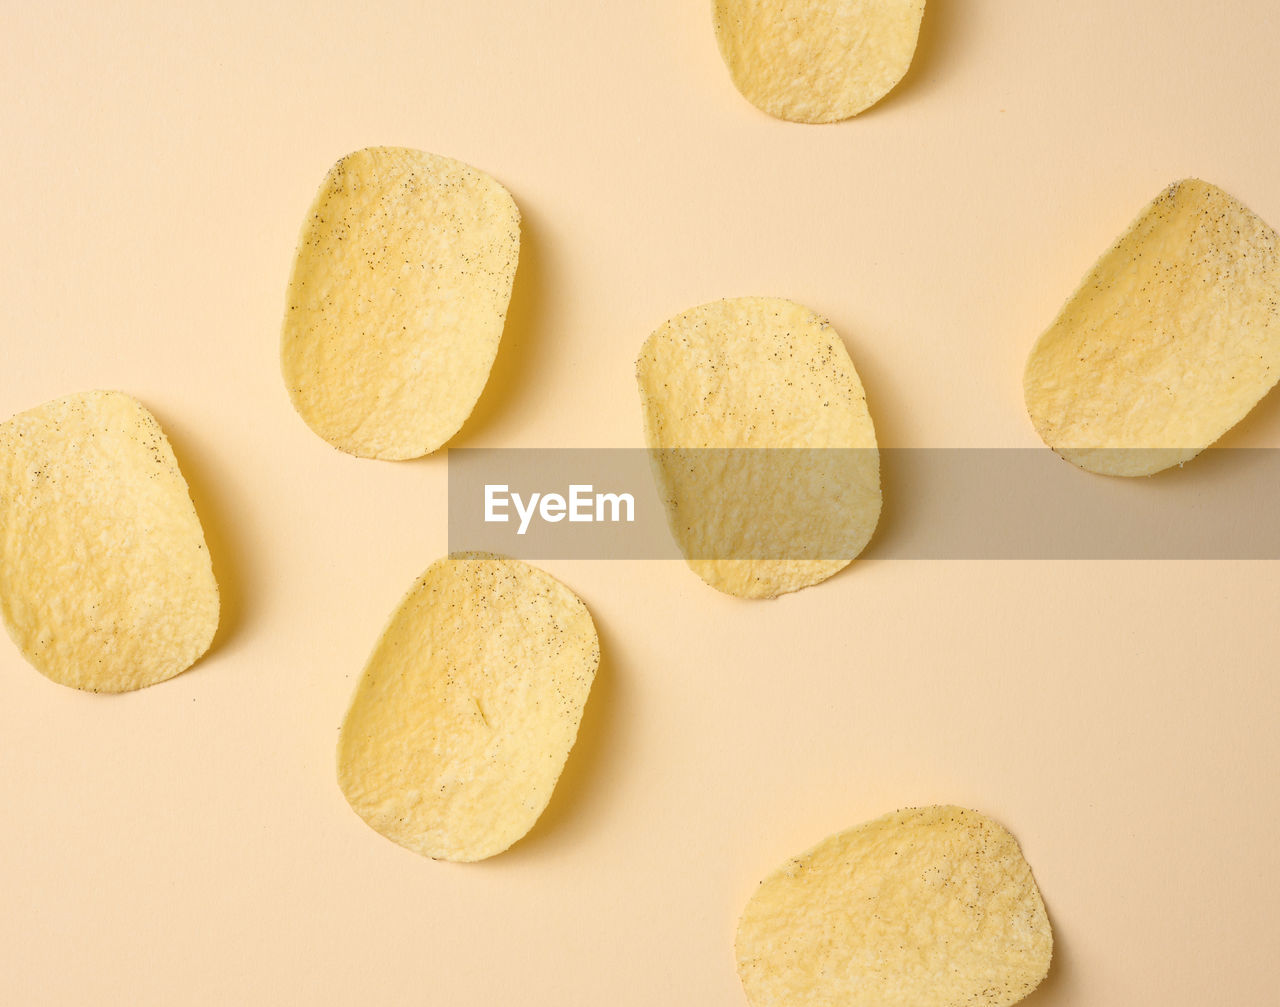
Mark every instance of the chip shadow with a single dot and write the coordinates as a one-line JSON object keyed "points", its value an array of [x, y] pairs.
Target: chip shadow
{"points": [[225, 554], [587, 766], [514, 367], [939, 29], [1259, 427], [887, 409], [1057, 989]]}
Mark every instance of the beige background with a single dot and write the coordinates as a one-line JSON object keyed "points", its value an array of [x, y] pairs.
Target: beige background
{"points": [[188, 843]]}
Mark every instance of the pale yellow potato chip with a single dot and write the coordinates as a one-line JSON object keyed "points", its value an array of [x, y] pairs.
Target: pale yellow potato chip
{"points": [[816, 60], [927, 907], [1171, 339], [397, 302], [468, 707], [763, 448], [105, 580]]}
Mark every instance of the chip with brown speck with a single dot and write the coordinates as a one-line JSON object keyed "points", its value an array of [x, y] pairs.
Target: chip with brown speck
{"points": [[398, 299], [762, 444], [468, 707], [105, 581], [926, 907], [1169, 341]]}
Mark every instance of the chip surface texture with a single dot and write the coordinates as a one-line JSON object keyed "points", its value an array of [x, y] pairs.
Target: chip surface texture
{"points": [[105, 581], [762, 445], [1170, 340], [468, 707], [815, 61], [397, 302], [926, 907]]}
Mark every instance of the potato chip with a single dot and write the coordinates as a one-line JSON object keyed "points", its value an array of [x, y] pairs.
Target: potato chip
{"points": [[397, 302], [468, 707], [927, 907], [105, 581], [763, 448], [1171, 339], [812, 61]]}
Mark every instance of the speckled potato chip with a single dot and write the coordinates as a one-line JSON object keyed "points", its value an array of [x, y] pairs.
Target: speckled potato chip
{"points": [[763, 449], [927, 907], [1171, 339], [105, 581], [397, 302], [468, 707], [815, 61]]}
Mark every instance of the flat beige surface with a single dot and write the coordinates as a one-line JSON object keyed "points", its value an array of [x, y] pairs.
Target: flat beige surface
{"points": [[188, 844]]}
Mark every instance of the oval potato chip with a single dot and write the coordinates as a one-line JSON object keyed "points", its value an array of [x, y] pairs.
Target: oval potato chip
{"points": [[468, 707], [816, 61], [1172, 337], [397, 302], [927, 907], [763, 448], [105, 580]]}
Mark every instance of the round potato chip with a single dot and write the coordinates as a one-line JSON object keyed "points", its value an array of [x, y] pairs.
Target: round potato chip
{"points": [[762, 445], [1170, 340], [397, 302], [105, 581], [816, 61], [468, 707], [927, 907]]}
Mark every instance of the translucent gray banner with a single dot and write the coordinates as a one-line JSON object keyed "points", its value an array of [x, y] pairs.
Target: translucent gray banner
{"points": [[969, 503]]}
